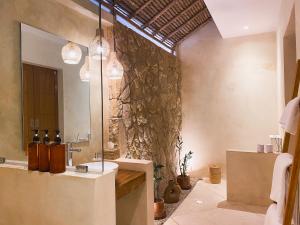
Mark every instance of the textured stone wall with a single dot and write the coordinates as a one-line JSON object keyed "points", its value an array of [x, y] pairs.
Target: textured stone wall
{"points": [[147, 100]]}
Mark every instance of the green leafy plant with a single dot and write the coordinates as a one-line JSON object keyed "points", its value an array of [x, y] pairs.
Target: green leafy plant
{"points": [[183, 163], [157, 178]]}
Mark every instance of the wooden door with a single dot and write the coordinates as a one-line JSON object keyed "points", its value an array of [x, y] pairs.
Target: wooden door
{"points": [[40, 101], [28, 103]]}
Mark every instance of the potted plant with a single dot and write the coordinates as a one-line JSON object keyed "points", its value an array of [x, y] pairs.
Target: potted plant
{"points": [[183, 179], [159, 204]]}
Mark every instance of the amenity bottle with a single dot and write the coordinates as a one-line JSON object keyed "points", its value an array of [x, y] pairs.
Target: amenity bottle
{"points": [[32, 151], [57, 155], [44, 155]]}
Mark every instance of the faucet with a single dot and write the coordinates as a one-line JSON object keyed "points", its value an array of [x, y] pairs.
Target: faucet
{"points": [[70, 151]]}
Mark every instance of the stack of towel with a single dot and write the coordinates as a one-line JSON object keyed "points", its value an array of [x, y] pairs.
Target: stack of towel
{"points": [[278, 192], [289, 122]]}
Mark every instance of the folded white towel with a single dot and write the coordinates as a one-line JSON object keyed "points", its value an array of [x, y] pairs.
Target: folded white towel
{"points": [[271, 216], [278, 191], [290, 117]]}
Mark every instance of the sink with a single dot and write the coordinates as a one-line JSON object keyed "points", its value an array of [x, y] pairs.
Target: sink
{"points": [[97, 166]]}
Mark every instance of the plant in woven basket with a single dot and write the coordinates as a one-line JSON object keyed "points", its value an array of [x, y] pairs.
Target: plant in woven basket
{"points": [[183, 179]]}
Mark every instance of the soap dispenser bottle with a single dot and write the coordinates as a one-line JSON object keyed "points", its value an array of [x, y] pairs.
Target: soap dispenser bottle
{"points": [[57, 155], [44, 155], [57, 139], [46, 139], [32, 151]]}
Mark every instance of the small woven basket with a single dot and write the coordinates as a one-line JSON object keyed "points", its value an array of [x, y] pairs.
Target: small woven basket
{"points": [[215, 174]]}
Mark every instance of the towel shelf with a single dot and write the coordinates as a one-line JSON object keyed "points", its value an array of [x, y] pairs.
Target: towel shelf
{"points": [[127, 181]]}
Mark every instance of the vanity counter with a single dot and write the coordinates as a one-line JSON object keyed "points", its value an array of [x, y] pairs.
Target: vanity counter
{"points": [[35, 198]]}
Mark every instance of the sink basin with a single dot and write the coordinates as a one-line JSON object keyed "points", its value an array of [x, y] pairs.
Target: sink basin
{"points": [[97, 166]]}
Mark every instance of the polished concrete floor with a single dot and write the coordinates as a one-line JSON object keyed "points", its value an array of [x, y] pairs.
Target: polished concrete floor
{"points": [[206, 205]]}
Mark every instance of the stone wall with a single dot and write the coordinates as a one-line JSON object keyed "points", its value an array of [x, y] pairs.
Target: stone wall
{"points": [[147, 101]]}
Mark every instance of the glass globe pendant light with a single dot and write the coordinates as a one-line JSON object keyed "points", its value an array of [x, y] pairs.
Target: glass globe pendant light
{"points": [[84, 73], [114, 68], [71, 53], [97, 48]]}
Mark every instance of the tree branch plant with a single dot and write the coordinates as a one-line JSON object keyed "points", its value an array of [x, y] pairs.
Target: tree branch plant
{"points": [[183, 179], [159, 204]]}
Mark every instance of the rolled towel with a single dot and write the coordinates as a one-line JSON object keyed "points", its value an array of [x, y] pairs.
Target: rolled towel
{"points": [[278, 191], [271, 216], [290, 117]]}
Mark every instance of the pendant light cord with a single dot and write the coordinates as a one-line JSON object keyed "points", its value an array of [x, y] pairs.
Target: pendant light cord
{"points": [[101, 78], [114, 24]]}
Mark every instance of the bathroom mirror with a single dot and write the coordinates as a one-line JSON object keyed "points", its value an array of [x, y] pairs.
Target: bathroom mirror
{"points": [[54, 96]]}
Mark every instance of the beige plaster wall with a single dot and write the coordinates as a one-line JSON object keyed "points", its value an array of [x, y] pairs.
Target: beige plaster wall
{"points": [[57, 19], [287, 10], [288, 41], [228, 94]]}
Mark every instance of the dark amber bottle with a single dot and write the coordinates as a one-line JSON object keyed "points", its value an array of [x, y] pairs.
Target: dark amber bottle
{"points": [[33, 158], [44, 158], [44, 154], [32, 151], [57, 158]]}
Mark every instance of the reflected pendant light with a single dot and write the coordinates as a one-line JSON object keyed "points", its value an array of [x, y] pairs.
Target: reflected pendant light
{"points": [[114, 68], [97, 48], [85, 73], [71, 53]]}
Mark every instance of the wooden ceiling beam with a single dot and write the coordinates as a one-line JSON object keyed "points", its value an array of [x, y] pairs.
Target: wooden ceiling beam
{"points": [[109, 6], [178, 16], [190, 32], [140, 9], [185, 24], [165, 9]]}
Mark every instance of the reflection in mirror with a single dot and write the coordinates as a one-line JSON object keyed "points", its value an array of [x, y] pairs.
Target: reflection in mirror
{"points": [[54, 96]]}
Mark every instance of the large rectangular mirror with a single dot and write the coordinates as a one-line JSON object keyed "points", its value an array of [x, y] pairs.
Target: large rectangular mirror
{"points": [[54, 96]]}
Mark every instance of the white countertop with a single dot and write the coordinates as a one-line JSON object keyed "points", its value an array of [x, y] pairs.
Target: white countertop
{"points": [[23, 165]]}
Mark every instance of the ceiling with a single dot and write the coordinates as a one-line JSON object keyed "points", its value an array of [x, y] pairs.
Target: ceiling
{"points": [[244, 17], [167, 21]]}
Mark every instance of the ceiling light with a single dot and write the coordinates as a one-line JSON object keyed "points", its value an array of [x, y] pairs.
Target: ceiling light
{"points": [[71, 53], [98, 47], [246, 28]]}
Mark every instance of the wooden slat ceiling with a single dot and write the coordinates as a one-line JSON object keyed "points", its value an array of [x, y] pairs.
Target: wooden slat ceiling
{"points": [[168, 21]]}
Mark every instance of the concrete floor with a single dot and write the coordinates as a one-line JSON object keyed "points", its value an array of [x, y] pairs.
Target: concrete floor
{"points": [[206, 205]]}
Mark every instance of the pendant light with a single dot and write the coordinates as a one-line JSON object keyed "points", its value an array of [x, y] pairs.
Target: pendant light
{"points": [[71, 53], [114, 68], [97, 48], [85, 70], [102, 87]]}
